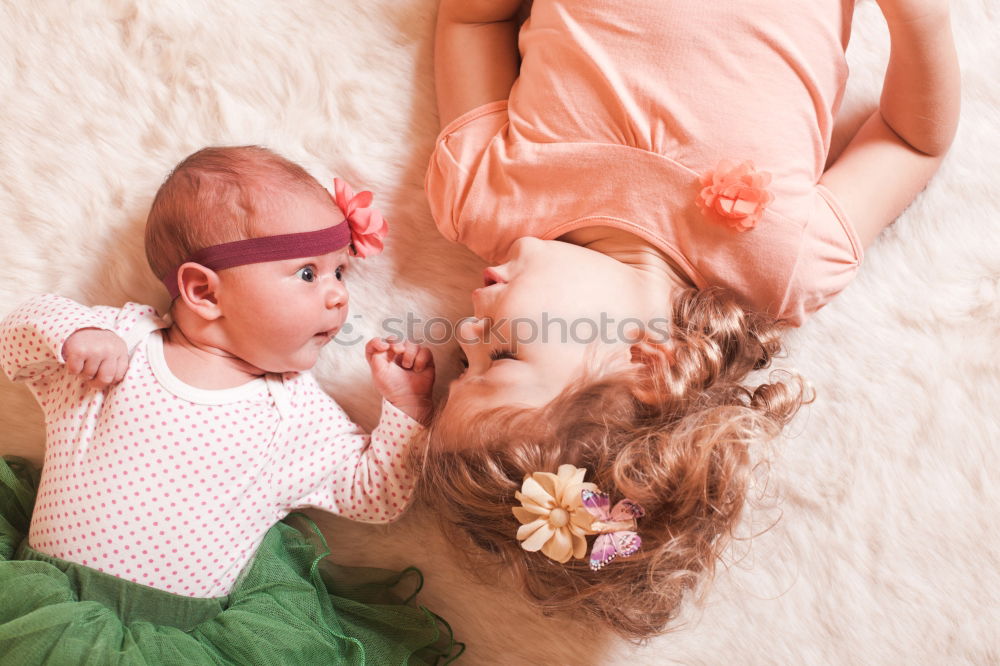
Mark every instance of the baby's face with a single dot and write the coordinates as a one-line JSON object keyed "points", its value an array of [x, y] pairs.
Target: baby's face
{"points": [[553, 310], [278, 315]]}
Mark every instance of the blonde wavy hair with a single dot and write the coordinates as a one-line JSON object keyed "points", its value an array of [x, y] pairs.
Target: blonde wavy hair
{"points": [[674, 437]]}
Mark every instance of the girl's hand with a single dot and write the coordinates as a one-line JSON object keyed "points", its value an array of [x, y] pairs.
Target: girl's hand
{"points": [[100, 357], [403, 373]]}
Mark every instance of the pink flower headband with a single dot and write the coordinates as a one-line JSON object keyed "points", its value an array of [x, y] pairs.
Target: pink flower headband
{"points": [[363, 228], [368, 227], [558, 511]]}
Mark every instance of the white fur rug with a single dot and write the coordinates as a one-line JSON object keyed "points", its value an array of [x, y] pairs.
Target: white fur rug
{"points": [[886, 489]]}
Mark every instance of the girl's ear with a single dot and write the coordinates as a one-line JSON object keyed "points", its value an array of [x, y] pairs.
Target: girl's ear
{"points": [[652, 360], [199, 288]]}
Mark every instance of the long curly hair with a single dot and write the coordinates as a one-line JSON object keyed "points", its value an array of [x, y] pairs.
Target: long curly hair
{"points": [[674, 437]]}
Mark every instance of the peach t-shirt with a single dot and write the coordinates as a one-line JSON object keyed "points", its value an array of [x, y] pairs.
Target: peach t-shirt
{"points": [[620, 107]]}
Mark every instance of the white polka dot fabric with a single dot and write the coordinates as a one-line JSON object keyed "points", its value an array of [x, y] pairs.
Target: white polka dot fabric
{"points": [[167, 485]]}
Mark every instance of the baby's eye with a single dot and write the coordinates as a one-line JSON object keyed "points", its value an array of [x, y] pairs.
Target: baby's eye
{"points": [[498, 354], [307, 273], [340, 273], [464, 361]]}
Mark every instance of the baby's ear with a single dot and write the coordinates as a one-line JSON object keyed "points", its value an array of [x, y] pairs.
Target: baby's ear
{"points": [[198, 288], [652, 359]]}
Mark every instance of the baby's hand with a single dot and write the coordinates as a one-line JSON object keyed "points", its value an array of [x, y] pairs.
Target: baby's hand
{"points": [[100, 357], [403, 373]]}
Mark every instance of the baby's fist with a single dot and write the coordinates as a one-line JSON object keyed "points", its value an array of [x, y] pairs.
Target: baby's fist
{"points": [[403, 373], [100, 357]]}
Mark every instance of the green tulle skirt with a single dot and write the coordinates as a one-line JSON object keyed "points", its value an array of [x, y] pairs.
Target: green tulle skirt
{"points": [[291, 605]]}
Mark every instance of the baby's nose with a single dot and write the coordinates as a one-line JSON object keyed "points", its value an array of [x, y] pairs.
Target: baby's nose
{"points": [[336, 295]]}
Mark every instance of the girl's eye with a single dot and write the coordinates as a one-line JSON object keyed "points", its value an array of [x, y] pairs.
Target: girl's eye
{"points": [[306, 273], [464, 361], [340, 273], [498, 354]]}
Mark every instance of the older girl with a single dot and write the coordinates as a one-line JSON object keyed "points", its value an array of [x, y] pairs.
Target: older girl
{"points": [[663, 164]]}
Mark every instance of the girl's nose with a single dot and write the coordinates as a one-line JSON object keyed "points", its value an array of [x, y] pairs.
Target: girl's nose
{"points": [[470, 331]]}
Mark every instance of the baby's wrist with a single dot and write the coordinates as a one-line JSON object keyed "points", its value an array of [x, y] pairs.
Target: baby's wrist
{"points": [[418, 408]]}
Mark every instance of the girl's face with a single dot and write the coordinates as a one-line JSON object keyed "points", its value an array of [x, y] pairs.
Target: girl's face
{"points": [[550, 312], [278, 315]]}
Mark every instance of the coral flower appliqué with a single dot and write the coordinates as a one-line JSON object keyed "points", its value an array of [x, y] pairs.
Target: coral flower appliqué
{"points": [[552, 516], [368, 227], [735, 194]]}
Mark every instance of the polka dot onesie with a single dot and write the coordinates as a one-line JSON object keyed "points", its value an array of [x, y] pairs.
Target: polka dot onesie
{"points": [[164, 484]]}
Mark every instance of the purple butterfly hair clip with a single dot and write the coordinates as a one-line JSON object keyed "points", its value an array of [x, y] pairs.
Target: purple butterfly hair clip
{"points": [[615, 527]]}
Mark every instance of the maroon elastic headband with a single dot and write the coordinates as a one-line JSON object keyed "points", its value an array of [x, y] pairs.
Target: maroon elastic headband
{"points": [[266, 248]]}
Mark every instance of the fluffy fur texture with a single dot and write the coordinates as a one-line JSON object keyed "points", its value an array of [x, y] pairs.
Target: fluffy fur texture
{"points": [[882, 498]]}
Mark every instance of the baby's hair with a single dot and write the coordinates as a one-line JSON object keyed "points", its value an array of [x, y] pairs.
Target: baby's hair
{"points": [[218, 195], [676, 440]]}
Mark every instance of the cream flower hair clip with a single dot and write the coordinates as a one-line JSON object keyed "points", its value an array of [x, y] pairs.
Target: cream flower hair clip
{"points": [[559, 510], [552, 516]]}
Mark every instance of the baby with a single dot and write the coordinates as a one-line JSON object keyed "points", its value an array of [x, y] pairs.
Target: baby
{"points": [[175, 445], [652, 183]]}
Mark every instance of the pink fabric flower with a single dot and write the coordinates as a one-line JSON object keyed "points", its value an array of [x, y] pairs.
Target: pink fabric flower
{"points": [[735, 194], [368, 227]]}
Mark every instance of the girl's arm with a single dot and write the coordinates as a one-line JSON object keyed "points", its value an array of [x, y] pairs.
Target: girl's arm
{"points": [[898, 149], [475, 54]]}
